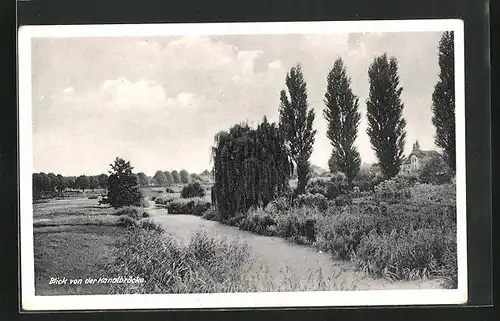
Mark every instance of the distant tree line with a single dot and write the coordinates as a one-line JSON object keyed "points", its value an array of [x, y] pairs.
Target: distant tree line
{"points": [[51, 183]]}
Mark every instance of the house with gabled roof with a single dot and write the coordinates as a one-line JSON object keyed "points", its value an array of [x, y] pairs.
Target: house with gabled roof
{"points": [[416, 160]]}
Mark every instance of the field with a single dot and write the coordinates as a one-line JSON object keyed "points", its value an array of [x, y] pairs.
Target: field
{"points": [[73, 238]]}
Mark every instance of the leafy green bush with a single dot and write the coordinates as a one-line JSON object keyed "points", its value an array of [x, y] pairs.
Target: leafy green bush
{"points": [[394, 189], [336, 185], [210, 214], [403, 255], [343, 200], [341, 232], [235, 220], [164, 199], [150, 226], [298, 225], [169, 190], [279, 205], [312, 200], [193, 206], [131, 211], [258, 221], [126, 221], [192, 190]]}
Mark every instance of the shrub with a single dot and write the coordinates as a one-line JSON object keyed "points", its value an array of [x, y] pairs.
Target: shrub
{"points": [[298, 225], [210, 214], [312, 200], [132, 212], [192, 190], [393, 189], [343, 200], [257, 221], [403, 255], [126, 221], [165, 199], [193, 206], [150, 226], [235, 220], [341, 231], [169, 190], [434, 194], [326, 188], [279, 205]]}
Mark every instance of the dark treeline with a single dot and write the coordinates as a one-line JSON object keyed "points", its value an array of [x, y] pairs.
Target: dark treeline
{"points": [[51, 183]]}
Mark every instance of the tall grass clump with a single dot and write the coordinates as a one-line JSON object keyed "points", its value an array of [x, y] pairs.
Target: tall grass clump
{"points": [[206, 264], [132, 212]]}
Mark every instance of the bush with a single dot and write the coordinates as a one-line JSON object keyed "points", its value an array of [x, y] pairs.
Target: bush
{"points": [[298, 225], [235, 220], [193, 206], [312, 200], [341, 232], [343, 200], [393, 189], [211, 214], [257, 221], [165, 199], [150, 226], [132, 212], [403, 255], [169, 190], [279, 205], [126, 221], [192, 190]]}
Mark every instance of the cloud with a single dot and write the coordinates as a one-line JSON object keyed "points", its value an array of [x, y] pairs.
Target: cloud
{"points": [[275, 64], [68, 90]]}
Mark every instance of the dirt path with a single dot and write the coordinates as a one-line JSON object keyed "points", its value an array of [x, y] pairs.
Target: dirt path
{"points": [[276, 257]]}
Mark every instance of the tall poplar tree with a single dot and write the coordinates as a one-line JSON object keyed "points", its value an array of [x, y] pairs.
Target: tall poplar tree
{"points": [[386, 125], [342, 116], [296, 123], [443, 100]]}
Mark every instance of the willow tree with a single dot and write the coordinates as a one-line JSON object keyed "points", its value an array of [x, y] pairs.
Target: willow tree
{"points": [[250, 166]]}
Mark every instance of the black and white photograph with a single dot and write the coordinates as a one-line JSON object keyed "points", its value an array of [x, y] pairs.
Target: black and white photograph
{"points": [[235, 165]]}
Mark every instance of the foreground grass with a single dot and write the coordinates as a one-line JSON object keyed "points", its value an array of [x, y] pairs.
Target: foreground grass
{"points": [[73, 252]]}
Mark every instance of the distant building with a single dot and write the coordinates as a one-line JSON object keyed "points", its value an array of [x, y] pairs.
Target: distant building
{"points": [[376, 169], [416, 160]]}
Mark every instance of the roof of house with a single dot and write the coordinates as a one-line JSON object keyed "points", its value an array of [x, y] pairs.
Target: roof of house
{"points": [[424, 153]]}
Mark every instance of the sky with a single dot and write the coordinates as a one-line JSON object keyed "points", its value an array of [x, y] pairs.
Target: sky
{"points": [[158, 102]]}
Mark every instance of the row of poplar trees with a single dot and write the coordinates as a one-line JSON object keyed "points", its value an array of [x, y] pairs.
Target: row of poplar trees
{"points": [[253, 166]]}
